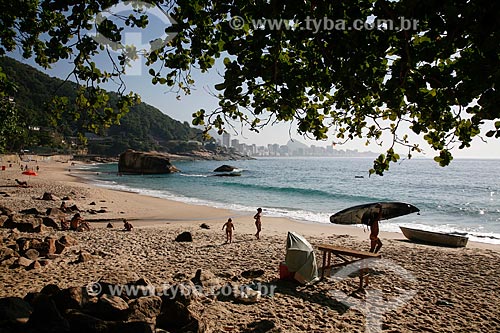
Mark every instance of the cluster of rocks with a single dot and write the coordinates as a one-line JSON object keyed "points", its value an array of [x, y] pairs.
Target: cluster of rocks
{"points": [[31, 220], [111, 305], [31, 252]]}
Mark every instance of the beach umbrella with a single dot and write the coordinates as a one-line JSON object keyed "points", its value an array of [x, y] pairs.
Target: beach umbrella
{"points": [[300, 259], [365, 213], [29, 173]]}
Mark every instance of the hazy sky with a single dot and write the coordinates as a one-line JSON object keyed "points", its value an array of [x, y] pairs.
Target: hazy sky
{"points": [[158, 96]]}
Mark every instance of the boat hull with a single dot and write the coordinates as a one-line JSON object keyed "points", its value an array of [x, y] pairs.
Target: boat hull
{"points": [[435, 238]]}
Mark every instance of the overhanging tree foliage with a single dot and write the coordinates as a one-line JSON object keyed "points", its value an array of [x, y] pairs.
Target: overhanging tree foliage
{"points": [[439, 77]]}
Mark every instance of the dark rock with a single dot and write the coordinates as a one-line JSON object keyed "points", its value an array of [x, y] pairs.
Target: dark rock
{"points": [[71, 298], [144, 309], [177, 317], [31, 254], [43, 248], [145, 163], [252, 273], [74, 208], [50, 197], [34, 265], [225, 168], [51, 222], [204, 226], [84, 257], [68, 240], [23, 223], [46, 317], [23, 243], [110, 308], [84, 323], [40, 228], [92, 203], [3, 219], [60, 247], [32, 211], [50, 290], [66, 198], [13, 310], [5, 211], [184, 237], [6, 253], [110, 225]]}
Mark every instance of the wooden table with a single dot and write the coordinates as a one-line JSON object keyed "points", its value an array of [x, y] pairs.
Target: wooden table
{"points": [[342, 253]]}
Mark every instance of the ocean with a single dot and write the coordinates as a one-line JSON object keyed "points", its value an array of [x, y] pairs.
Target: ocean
{"points": [[463, 197]]}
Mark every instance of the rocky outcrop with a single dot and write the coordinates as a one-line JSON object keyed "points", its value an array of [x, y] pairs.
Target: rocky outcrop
{"points": [[225, 168], [145, 163]]}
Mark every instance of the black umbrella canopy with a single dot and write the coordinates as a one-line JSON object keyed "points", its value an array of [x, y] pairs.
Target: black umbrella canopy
{"points": [[363, 213]]}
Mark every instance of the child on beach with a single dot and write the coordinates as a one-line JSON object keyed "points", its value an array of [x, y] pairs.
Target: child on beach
{"points": [[229, 230], [258, 222], [127, 225], [375, 242]]}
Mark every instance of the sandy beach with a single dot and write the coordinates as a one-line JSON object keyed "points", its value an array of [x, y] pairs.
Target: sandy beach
{"points": [[414, 288]]}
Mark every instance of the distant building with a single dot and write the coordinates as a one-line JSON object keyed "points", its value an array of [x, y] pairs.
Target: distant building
{"points": [[226, 138]]}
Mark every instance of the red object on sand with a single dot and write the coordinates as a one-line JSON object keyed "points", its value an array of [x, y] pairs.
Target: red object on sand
{"points": [[30, 173], [284, 273]]}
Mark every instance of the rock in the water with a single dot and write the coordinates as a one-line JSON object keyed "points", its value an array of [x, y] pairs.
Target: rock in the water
{"points": [[225, 168], [145, 163], [184, 237]]}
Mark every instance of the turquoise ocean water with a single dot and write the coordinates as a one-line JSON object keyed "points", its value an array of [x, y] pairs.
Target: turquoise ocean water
{"points": [[463, 197]]}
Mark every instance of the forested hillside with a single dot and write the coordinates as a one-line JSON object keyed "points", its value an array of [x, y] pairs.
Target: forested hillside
{"points": [[143, 128]]}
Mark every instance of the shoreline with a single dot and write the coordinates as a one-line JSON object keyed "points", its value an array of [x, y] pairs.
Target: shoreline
{"points": [[307, 227]]}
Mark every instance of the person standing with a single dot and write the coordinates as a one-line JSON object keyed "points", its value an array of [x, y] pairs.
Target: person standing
{"points": [[258, 222], [375, 242], [229, 230]]}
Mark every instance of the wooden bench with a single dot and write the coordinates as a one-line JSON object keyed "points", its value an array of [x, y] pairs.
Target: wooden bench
{"points": [[342, 253]]}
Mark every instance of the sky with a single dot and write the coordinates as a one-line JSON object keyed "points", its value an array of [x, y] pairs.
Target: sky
{"points": [[139, 81]]}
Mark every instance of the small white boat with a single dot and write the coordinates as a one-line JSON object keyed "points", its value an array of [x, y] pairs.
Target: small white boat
{"points": [[436, 238]]}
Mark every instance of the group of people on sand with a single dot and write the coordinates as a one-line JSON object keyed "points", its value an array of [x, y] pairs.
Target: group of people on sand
{"points": [[375, 242], [230, 226]]}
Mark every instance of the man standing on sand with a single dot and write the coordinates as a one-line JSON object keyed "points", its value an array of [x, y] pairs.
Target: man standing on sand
{"points": [[229, 230], [258, 222], [376, 243]]}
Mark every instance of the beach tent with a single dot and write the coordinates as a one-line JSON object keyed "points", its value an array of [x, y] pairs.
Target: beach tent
{"points": [[300, 258]]}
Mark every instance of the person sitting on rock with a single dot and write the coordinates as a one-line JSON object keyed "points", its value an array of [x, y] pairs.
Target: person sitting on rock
{"points": [[127, 225]]}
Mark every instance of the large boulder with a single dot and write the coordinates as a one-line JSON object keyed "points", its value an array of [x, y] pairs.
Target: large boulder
{"points": [[145, 163], [225, 168]]}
